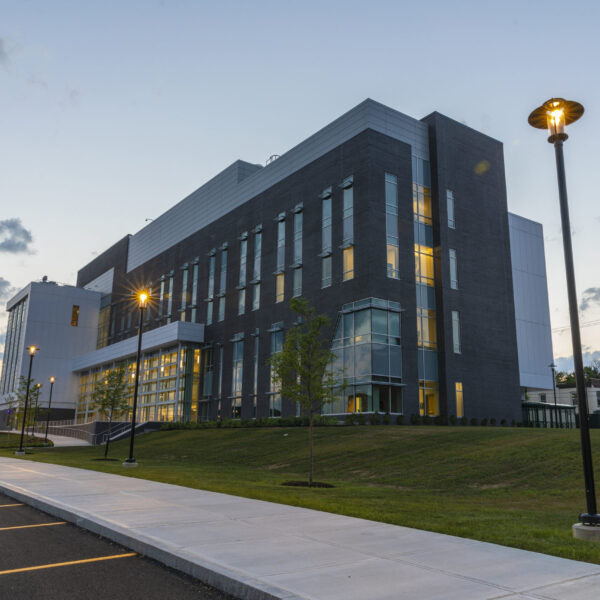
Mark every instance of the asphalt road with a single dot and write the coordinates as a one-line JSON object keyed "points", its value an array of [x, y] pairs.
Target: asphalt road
{"points": [[30, 538]]}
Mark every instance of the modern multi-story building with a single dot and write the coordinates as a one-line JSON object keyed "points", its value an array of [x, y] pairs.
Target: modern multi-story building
{"points": [[396, 228]]}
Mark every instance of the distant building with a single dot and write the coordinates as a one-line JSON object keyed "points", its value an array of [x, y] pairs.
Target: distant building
{"points": [[396, 228]]}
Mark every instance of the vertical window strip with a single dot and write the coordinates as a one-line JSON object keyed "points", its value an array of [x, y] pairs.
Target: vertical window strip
{"points": [[222, 285], [391, 225], [280, 245], [170, 297], [460, 412], [326, 225], [242, 280], [275, 396], [211, 289], [326, 271], [348, 263], [194, 292], [453, 271], [236, 378], [255, 382], [256, 270], [348, 214], [456, 331], [297, 282], [450, 208], [161, 298], [279, 287], [298, 237]]}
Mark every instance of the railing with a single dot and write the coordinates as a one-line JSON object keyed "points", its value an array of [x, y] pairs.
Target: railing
{"points": [[80, 434]]}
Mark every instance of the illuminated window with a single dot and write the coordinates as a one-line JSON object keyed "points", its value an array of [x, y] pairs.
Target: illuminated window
{"points": [[453, 275], [279, 284], [450, 208], [348, 259], [459, 399], [429, 400], [75, 316], [426, 328], [424, 264], [456, 332]]}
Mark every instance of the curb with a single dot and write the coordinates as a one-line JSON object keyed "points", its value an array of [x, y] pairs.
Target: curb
{"points": [[217, 576]]}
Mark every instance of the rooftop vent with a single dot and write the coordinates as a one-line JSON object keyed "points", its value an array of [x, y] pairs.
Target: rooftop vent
{"points": [[272, 158]]}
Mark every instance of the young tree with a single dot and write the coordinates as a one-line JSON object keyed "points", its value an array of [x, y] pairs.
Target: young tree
{"points": [[109, 398], [19, 397], [302, 370]]}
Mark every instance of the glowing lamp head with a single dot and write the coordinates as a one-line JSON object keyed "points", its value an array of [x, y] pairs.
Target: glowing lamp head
{"points": [[554, 115], [52, 379], [32, 350], [143, 298], [38, 385]]}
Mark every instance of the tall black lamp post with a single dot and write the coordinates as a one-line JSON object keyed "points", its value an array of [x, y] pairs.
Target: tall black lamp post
{"points": [[35, 412], [143, 298], [32, 350], [52, 380], [554, 115]]}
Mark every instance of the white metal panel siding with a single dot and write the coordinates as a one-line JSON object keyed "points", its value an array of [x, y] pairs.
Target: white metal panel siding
{"points": [[103, 283], [532, 311], [241, 181]]}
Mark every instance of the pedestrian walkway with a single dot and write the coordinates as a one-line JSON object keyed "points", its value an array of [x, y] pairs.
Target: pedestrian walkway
{"points": [[254, 549], [59, 440]]}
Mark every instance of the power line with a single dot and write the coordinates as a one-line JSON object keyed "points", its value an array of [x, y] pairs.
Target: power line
{"points": [[567, 327]]}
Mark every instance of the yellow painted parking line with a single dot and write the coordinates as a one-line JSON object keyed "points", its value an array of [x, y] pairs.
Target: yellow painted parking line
{"points": [[9, 505], [30, 526], [67, 564]]}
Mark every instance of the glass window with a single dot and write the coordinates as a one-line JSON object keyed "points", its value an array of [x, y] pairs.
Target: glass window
{"points": [[429, 398], [380, 321], [456, 331], [391, 225], [256, 296], [348, 216], [298, 237], [236, 381], [194, 291], [326, 271], [459, 399], [257, 255], [450, 208], [453, 275], [243, 258], [362, 324], [348, 260], [279, 287], [297, 281], [242, 301], [223, 278], [184, 286], [74, 316], [170, 298], [161, 298], [326, 224], [280, 245], [424, 264]]}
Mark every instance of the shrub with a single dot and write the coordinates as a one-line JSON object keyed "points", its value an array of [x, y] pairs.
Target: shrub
{"points": [[349, 419], [375, 419], [503, 423], [492, 421], [484, 422], [400, 420], [513, 423], [386, 419], [427, 420], [464, 421], [415, 419], [361, 419], [453, 420], [474, 422]]}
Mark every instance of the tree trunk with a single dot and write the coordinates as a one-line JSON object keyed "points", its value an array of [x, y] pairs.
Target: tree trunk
{"points": [[310, 443], [109, 430]]}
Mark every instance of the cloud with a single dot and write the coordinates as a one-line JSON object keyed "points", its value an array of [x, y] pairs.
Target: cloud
{"points": [[14, 238], [589, 297], [6, 290], [565, 363]]}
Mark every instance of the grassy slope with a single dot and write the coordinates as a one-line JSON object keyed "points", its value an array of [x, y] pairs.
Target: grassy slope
{"points": [[517, 487]]}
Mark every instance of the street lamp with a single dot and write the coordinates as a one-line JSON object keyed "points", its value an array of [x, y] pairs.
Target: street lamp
{"points": [[32, 350], [553, 367], [554, 115], [143, 299], [37, 401], [52, 380]]}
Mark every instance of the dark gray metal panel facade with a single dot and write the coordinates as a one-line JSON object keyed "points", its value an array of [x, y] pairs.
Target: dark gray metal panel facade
{"points": [[488, 365], [472, 166]]}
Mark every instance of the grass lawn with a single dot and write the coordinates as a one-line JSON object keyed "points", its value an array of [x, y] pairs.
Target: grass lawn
{"points": [[517, 487]]}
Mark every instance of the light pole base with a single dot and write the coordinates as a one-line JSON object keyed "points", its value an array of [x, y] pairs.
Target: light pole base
{"points": [[589, 533], [20, 453], [130, 464]]}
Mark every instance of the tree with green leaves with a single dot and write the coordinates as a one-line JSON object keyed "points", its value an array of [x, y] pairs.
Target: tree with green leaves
{"points": [[19, 397], [109, 398], [303, 369]]}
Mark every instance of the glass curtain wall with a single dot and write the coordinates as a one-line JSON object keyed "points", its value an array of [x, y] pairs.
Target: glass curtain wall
{"points": [[425, 281], [367, 345]]}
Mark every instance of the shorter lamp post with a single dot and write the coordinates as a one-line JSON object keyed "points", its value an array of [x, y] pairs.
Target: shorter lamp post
{"points": [[32, 350], [52, 380], [35, 412], [554, 115], [553, 367], [143, 298]]}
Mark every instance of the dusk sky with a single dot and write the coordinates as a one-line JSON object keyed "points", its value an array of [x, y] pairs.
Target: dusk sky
{"points": [[111, 112]]}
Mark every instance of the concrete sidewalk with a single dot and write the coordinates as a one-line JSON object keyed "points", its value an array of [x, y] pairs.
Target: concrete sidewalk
{"points": [[255, 550]]}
